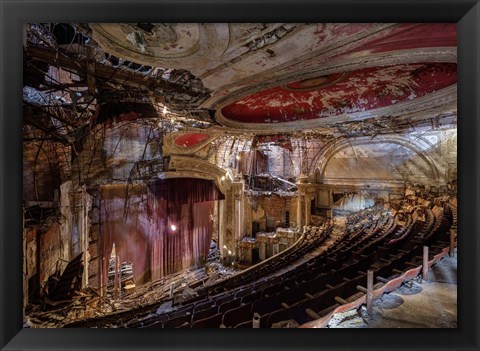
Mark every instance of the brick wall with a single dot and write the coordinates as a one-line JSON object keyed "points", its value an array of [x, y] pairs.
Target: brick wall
{"points": [[274, 208]]}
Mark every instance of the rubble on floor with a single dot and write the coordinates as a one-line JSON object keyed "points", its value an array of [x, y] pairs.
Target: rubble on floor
{"points": [[214, 252], [87, 303], [217, 269]]}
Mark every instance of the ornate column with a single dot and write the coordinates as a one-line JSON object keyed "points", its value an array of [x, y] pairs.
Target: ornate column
{"points": [[262, 247], [79, 212], [276, 247], [308, 209], [310, 193], [238, 188], [306, 193], [227, 228], [85, 230], [301, 185]]}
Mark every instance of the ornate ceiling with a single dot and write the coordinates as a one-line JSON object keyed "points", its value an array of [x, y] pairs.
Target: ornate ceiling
{"points": [[342, 93], [251, 78], [178, 45], [285, 77]]}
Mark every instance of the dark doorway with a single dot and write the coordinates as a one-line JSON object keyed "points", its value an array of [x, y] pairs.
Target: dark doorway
{"points": [[255, 228], [33, 288], [287, 219], [337, 196], [255, 255]]}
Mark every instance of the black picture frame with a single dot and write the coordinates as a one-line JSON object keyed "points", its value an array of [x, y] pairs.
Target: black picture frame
{"points": [[16, 12]]}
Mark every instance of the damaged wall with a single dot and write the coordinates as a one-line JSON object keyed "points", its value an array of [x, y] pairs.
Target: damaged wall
{"points": [[112, 152], [94, 242], [45, 165], [354, 202], [62, 236], [379, 161], [280, 162], [268, 211], [424, 157]]}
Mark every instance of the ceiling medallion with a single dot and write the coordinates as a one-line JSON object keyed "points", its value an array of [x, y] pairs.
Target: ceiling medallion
{"points": [[177, 45]]}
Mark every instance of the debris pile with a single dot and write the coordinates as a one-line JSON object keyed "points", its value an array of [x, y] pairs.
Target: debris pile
{"points": [[266, 234], [87, 303], [214, 253], [217, 269]]}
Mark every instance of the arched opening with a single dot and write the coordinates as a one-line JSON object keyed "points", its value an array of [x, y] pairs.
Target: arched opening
{"points": [[378, 161]]}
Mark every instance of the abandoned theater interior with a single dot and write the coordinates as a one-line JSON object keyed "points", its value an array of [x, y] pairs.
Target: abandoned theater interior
{"points": [[253, 175]]}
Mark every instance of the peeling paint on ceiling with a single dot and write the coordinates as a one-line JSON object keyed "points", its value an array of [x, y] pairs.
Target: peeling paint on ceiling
{"points": [[340, 94]]}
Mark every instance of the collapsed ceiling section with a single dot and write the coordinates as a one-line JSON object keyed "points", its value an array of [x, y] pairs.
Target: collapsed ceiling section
{"points": [[360, 79], [70, 82]]}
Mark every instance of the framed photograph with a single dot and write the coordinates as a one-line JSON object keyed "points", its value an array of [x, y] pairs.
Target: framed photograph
{"points": [[176, 168]]}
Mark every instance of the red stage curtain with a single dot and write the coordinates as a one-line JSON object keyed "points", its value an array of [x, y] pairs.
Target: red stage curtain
{"points": [[128, 229], [145, 237], [188, 205]]}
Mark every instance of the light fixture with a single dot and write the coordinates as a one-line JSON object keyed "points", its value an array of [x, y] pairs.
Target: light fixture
{"points": [[229, 252], [173, 227], [237, 157], [224, 246], [223, 178]]}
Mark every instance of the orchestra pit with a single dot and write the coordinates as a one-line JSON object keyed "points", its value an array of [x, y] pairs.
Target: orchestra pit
{"points": [[253, 175]]}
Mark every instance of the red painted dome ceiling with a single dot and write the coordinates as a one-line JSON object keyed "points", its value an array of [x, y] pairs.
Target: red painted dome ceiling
{"points": [[342, 93], [412, 36]]}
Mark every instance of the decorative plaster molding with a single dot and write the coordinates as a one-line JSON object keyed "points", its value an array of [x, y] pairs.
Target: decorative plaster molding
{"points": [[279, 76], [425, 104], [170, 148], [321, 51], [165, 45], [417, 145], [184, 166]]}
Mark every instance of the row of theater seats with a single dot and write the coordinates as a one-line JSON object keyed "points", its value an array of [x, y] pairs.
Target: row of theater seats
{"points": [[284, 294], [313, 237], [238, 290], [311, 290]]}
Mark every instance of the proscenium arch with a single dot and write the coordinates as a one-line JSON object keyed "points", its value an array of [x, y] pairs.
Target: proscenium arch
{"points": [[322, 159], [192, 167]]}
